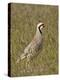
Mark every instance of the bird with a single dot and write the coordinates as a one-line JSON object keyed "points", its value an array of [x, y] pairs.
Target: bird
{"points": [[31, 50]]}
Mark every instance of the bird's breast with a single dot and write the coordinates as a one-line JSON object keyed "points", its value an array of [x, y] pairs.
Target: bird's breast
{"points": [[34, 45]]}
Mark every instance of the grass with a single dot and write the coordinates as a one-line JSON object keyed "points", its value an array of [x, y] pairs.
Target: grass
{"points": [[24, 18]]}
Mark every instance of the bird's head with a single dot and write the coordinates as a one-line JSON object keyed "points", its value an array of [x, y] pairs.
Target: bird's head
{"points": [[40, 27]]}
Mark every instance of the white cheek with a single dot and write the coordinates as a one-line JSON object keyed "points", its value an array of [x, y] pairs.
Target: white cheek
{"points": [[41, 27]]}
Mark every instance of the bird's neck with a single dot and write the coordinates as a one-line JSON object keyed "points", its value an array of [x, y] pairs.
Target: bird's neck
{"points": [[38, 33]]}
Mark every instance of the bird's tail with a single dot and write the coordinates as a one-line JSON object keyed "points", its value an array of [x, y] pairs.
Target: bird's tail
{"points": [[21, 57]]}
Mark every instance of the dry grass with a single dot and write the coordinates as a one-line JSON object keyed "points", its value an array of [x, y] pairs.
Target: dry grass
{"points": [[24, 19]]}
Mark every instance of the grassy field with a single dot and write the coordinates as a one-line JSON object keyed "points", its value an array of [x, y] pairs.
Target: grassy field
{"points": [[24, 19]]}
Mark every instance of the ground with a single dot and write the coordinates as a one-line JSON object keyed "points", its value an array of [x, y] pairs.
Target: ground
{"points": [[24, 18]]}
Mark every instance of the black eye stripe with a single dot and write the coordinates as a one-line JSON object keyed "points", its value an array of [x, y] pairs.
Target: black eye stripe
{"points": [[41, 25], [40, 30]]}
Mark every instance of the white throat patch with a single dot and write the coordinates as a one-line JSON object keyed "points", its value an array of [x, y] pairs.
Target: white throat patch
{"points": [[41, 27]]}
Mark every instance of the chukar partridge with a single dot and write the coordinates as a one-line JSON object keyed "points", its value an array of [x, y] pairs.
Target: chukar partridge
{"points": [[34, 46]]}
